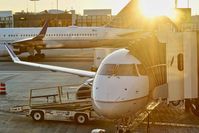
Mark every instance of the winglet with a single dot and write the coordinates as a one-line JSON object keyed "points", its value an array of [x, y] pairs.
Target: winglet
{"points": [[43, 31], [12, 54]]}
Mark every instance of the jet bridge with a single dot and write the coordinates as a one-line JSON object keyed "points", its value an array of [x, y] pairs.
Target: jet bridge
{"points": [[171, 59], [182, 65]]}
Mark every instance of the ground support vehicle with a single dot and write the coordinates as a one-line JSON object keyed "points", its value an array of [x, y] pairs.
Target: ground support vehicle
{"points": [[61, 103]]}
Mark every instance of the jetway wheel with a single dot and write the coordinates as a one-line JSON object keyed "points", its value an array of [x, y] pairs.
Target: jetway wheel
{"points": [[176, 103], [195, 107]]}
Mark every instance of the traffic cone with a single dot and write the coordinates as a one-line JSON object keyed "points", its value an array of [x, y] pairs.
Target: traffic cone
{"points": [[2, 89]]}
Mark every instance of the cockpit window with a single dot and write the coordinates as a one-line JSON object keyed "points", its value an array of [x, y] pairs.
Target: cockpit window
{"points": [[119, 70], [141, 69]]}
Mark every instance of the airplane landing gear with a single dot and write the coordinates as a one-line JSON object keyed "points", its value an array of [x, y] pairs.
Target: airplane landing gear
{"points": [[31, 57], [123, 125], [34, 56], [40, 55]]}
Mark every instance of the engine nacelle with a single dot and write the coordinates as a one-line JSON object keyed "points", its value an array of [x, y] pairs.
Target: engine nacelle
{"points": [[3, 51]]}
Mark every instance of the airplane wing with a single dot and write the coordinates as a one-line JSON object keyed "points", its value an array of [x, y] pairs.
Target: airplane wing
{"points": [[135, 34], [39, 37], [49, 67]]}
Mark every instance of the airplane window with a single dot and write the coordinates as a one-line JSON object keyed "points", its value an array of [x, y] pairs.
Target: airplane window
{"points": [[126, 70], [108, 69], [119, 70], [141, 69]]}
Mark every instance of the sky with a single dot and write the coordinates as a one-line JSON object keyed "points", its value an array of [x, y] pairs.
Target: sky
{"points": [[79, 5]]}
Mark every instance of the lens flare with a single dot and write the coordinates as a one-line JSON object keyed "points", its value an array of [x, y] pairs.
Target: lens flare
{"points": [[154, 8]]}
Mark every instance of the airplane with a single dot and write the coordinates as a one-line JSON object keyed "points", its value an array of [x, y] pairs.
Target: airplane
{"points": [[35, 39], [120, 86]]}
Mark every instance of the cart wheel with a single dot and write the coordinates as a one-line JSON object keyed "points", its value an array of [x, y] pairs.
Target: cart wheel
{"points": [[81, 118], [38, 116]]}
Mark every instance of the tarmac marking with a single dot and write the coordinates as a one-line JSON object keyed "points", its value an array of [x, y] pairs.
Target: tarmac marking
{"points": [[172, 124]]}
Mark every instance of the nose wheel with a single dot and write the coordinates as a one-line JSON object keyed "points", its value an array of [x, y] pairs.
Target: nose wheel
{"points": [[123, 125], [123, 131]]}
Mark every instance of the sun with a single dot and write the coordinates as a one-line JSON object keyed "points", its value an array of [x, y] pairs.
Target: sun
{"points": [[154, 8]]}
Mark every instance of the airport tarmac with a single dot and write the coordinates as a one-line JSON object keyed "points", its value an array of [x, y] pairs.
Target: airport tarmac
{"points": [[166, 119]]}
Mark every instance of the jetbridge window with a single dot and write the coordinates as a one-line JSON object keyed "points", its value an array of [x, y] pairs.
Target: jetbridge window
{"points": [[180, 62], [119, 70]]}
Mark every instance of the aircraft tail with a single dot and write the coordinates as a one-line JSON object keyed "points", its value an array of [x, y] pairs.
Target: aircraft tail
{"points": [[43, 31]]}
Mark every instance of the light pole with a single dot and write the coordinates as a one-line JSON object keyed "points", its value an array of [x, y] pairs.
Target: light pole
{"points": [[57, 6], [187, 3], [34, 4]]}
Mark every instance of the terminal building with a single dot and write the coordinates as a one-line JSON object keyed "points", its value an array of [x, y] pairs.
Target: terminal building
{"points": [[57, 19], [6, 19], [94, 17], [128, 17]]}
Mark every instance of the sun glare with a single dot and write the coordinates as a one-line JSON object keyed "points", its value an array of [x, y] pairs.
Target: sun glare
{"points": [[155, 8]]}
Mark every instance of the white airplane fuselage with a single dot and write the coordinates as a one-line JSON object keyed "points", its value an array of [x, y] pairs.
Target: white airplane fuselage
{"points": [[119, 89], [66, 37]]}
